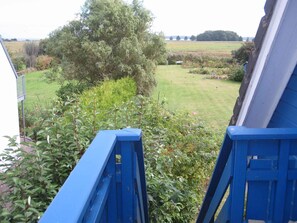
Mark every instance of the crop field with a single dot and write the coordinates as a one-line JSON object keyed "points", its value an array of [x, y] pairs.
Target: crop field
{"points": [[203, 48]]}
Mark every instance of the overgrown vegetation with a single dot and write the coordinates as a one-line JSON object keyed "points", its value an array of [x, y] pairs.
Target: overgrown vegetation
{"points": [[214, 67], [179, 153]]}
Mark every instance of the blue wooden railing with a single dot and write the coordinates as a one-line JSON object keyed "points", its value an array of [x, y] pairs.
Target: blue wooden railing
{"points": [[107, 185], [255, 178]]}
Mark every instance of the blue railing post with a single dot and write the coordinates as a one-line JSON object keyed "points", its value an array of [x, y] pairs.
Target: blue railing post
{"points": [[238, 184], [260, 168], [107, 185], [128, 189]]}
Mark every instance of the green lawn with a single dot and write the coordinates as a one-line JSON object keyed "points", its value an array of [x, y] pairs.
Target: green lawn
{"points": [[212, 100], [38, 91]]}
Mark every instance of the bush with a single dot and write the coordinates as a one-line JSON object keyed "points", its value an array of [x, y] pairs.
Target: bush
{"points": [[237, 74], [70, 90], [43, 62], [243, 53], [179, 153], [19, 62], [172, 58]]}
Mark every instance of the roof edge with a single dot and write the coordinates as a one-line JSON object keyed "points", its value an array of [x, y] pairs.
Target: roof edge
{"points": [[8, 57]]}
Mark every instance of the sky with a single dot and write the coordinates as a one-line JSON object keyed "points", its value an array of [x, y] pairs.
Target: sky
{"points": [[35, 19]]}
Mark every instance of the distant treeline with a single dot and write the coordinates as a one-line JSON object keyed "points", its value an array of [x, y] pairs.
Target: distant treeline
{"points": [[217, 35], [10, 40]]}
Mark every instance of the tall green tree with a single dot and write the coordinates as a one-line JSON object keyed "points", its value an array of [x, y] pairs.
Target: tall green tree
{"points": [[218, 35], [193, 38], [243, 53], [110, 40]]}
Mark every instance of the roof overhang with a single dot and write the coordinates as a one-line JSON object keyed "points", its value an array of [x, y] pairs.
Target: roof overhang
{"points": [[273, 69], [8, 57]]}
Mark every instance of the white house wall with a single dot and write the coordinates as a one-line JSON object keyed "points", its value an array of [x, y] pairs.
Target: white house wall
{"points": [[9, 123]]}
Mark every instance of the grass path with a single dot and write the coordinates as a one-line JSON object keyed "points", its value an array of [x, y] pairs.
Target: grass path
{"points": [[212, 100]]}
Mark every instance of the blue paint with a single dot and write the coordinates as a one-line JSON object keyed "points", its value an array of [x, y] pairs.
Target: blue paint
{"points": [[285, 113], [263, 178], [100, 189]]}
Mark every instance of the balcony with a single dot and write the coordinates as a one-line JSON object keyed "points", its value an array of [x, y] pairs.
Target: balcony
{"points": [[254, 180]]}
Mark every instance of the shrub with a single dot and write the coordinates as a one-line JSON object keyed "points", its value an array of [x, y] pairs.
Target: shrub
{"points": [[43, 62], [243, 53], [70, 90], [236, 74], [172, 58], [18, 62]]}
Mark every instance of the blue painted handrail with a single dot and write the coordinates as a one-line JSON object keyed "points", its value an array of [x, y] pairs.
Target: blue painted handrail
{"points": [[255, 178], [107, 185]]}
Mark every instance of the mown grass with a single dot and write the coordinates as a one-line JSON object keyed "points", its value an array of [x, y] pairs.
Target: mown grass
{"points": [[38, 91], [203, 48], [212, 100]]}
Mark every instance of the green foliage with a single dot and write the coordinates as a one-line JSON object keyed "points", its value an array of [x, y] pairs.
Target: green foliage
{"points": [[42, 47], [172, 58], [70, 90], [19, 62], [236, 74], [243, 53], [98, 101], [111, 40], [218, 35], [179, 153], [193, 38]]}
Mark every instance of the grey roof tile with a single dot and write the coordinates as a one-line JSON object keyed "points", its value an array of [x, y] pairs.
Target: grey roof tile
{"points": [[261, 32]]}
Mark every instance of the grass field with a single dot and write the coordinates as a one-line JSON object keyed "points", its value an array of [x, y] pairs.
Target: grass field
{"points": [[219, 49], [212, 100], [38, 91]]}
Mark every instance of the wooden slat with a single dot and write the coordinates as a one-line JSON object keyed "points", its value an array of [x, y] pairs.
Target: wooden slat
{"points": [[239, 181], [280, 194]]}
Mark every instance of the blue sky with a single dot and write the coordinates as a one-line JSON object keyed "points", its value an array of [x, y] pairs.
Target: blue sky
{"points": [[37, 18]]}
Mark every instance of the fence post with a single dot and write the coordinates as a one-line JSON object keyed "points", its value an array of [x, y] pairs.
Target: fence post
{"points": [[239, 180], [127, 153]]}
